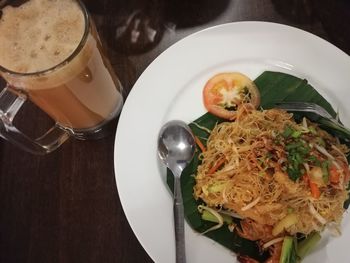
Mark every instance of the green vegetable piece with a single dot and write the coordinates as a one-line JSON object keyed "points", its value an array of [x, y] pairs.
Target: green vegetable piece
{"points": [[305, 246], [293, 174], [296, 134], [261, 174], [294, 145], [288, 131], [227, 219], [325, 172], [298, 158], [290, 210], [320, 141], [304, 150], [313, 159], [312, 130], [207, 216], [216, 187], [298, 152], [288, 254]]}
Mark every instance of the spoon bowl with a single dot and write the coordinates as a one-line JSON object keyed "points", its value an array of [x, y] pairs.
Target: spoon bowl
{"points": [[176, 146]]}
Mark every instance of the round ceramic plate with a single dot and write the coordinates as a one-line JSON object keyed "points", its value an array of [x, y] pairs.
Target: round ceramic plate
{"points": [[171, 88]]}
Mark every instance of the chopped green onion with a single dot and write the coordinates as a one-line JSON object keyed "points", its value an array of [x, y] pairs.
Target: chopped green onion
{"points": [[298, 158], [312, 130], [320, 141], [288, 253], [287, 132], [325, 173], [313, 159], [303, 150], [207, 216], [305, 246], [293, 145], [296, 134], [298, 152], [294, 174]]}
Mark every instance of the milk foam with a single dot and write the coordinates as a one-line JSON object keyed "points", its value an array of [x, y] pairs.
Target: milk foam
{"points": [[39, 34]]}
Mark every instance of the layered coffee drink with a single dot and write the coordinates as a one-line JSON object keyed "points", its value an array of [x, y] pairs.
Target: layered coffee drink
{"points": [[51, 51]]}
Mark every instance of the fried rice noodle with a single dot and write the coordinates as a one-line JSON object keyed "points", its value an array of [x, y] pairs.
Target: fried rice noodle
{"points": [[256, 185]]}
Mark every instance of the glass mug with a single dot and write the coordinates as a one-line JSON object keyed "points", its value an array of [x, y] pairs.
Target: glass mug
{"points": [[80, 92]]}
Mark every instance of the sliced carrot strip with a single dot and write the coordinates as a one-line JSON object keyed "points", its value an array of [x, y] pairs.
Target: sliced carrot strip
{"points": [[218, 164], [200, 144], [315, 191], [334, 175]]}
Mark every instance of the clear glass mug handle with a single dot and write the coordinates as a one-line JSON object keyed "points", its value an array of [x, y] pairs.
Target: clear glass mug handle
{"points": [[10, 103]]}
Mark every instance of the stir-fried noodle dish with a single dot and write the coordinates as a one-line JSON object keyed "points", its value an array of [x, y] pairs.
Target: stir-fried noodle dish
{"points": [[281, 178]]}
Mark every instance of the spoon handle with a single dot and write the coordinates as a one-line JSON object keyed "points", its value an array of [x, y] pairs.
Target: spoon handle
{"points": [[179, 222]]}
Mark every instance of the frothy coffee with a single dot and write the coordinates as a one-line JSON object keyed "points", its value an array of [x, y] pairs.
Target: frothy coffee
{"points": [[81, 94], [39, 34]]}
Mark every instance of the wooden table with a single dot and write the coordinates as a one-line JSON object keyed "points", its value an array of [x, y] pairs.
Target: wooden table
{"points": [[64, 207]]}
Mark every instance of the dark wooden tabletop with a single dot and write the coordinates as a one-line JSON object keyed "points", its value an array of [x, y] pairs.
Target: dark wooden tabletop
{"points": [[64, 207]]}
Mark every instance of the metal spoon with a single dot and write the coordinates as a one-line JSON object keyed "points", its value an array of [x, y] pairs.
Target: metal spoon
{"points": [[176, 146]]}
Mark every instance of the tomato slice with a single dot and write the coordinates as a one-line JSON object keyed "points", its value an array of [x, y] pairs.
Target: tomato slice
{"points": [[224, 92]]}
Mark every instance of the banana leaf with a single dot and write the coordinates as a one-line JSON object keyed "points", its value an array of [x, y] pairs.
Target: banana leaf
{"points": [[279, 87], [274, 87]]}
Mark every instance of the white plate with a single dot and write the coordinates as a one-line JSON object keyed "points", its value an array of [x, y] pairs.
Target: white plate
{"points": [[170, 88]]}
